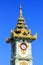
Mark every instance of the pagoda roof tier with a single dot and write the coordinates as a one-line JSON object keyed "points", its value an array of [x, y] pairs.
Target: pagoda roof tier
{"points": [[21, 18], [24, 34], [21, 26], [21, 22]]}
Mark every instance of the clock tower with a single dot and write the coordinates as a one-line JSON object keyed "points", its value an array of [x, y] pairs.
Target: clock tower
{"points": [[21, 39]]}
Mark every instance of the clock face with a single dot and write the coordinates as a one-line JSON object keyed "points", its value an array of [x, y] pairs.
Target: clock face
{"points": [[23, 46]]}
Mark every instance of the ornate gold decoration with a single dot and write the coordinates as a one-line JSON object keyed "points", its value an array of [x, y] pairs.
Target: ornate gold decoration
{"points": [[23, 51], [21, 30], [22, 35], [23, 63]]}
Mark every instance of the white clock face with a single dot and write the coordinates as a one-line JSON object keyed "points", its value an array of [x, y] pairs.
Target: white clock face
{"points": [[23, 46]]}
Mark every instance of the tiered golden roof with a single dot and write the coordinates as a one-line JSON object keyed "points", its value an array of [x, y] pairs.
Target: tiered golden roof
{"points": [[21, 29]]}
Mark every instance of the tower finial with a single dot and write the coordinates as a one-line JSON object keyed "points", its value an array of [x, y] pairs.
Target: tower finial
{"points": [[20, 10]]}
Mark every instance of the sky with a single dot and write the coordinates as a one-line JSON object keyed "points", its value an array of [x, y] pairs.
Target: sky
{"points": [[33, 14]]}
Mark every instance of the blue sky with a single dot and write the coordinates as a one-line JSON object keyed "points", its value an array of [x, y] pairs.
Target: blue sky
{"points": [[33, 14]]}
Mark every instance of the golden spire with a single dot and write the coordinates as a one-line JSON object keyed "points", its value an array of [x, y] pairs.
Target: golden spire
{"points": [[21, 16], [21, 31], [20, 11]]}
